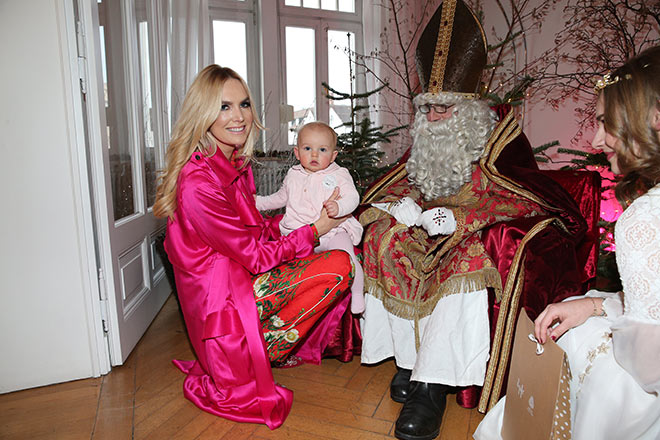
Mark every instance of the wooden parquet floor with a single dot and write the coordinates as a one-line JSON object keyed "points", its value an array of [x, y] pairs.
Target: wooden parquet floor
{"points": [[143, 400]]}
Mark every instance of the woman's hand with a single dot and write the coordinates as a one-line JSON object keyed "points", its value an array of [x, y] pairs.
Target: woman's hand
{"points": [[569, 314], [325, 223]]}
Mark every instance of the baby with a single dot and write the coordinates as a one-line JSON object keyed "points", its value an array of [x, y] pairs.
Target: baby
{"points": [[306, 189]]}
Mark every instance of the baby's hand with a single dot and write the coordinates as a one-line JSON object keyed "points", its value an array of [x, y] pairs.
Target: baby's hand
{"points": [[332, 208]]}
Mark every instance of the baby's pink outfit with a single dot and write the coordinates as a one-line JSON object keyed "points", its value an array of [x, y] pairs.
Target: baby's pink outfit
{"points": [[303, 194]]}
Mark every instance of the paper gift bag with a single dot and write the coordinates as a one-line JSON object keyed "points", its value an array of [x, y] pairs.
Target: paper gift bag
{"points": [[537, 394]]}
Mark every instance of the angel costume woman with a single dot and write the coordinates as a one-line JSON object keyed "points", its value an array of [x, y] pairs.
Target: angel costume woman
{"points": [[612, 340]]}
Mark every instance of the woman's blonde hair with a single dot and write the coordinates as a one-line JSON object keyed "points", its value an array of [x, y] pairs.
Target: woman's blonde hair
{"points": [[201, 107], [630, 100]]}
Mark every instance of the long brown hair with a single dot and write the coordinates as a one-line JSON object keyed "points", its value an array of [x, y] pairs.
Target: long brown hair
{"points": [[201, 107], [630, 104]]}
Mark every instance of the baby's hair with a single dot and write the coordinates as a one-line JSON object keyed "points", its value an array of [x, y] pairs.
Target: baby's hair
{"points": [[322, 126]]}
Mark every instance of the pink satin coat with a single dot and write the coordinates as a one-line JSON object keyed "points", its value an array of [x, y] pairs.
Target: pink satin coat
{"points": [[216, 239]]}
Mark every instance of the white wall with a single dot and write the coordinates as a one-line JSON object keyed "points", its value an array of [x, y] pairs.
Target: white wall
{"points": [[45, 287]]}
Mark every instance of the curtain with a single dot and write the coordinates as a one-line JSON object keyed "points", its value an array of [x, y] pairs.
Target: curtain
{"points": [[189, 42]]}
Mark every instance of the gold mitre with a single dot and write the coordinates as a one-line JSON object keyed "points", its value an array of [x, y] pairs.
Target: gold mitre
{"points": [[451, 53]]}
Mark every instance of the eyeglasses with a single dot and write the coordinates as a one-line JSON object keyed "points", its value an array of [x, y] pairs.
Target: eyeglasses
{"points": [[438, 108]]}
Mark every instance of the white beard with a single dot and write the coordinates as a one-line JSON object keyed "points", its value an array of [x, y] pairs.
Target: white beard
{"points": [[443, 151]]}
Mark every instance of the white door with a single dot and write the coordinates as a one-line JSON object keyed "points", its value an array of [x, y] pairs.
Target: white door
{"points": [[126, 131]]}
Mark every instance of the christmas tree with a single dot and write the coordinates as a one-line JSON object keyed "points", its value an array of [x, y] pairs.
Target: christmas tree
{"points": [[359, 139]]}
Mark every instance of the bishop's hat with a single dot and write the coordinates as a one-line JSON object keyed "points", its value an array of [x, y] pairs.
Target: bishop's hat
{"points": [[451, 53]]}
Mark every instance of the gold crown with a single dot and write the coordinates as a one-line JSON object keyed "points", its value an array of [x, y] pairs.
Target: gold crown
{"points": [[608, 80]]}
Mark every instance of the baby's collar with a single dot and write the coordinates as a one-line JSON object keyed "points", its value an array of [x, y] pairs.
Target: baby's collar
{"points": [[331, 168]]}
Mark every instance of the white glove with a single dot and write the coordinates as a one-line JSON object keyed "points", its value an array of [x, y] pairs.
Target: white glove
{"points": [[437, 221], [405, 210]]}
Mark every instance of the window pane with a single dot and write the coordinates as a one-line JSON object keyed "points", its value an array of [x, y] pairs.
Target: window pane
{"points": [[311, 4], [105, 71], [300, 77], [330, 5], [232, 55], [119, 144], [292, 2], [147, 113], [347, 5], [340, 75]]}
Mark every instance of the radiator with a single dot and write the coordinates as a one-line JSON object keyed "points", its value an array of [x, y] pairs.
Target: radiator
{"points": [[269, 173]]}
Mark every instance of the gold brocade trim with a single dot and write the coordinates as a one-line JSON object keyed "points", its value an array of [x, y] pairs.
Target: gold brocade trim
{"points": [[495, 135], [469, 282], [507, 344], [466, 95], [505, 133], [387, 237], [442, 46], [370, 215], [501, 345], [390, 178]]}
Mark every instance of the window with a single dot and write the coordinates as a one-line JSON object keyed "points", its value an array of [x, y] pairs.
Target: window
{"points": [[134, 137], [317, 37], [330, 5], [235, 42], [341, 75], [231, 55], [301, 89], [300, 44], [234, 38]]}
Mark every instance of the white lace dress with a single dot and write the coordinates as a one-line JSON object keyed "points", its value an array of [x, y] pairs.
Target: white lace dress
{"points": [[615, 360]]}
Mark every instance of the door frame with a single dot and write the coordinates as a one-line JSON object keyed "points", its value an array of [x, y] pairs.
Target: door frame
{"points": [[88, 231]]}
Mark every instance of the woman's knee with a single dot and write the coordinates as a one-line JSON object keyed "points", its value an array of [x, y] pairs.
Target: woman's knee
{"points": [[340, 261]]}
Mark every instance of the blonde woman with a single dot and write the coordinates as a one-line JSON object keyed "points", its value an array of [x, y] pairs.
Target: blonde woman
{"points": [[249, 295]]}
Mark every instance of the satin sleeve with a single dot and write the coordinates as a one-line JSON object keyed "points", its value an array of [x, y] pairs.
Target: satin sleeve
{"points": [[216, 220]]}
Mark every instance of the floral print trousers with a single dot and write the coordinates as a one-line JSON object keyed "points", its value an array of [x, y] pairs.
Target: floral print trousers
{"points": [[292, 297]]}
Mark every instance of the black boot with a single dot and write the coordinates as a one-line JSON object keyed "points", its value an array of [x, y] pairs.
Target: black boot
{"points": [[421, 415], [400, 384]]}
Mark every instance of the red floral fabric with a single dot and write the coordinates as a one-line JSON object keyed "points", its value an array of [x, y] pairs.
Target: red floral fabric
{"points": [[410, 268], [292, 297]]}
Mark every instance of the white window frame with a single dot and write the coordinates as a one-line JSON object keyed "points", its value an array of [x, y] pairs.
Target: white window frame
{"points": [[266, 58], [244, 12], [133, 96], [321, 21], [325, 14]]}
